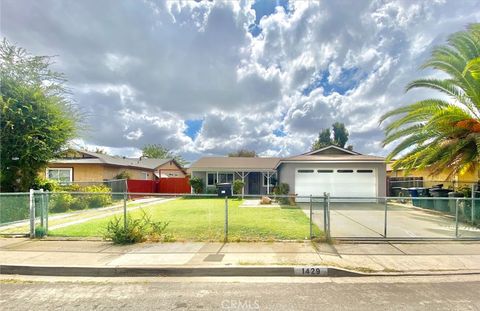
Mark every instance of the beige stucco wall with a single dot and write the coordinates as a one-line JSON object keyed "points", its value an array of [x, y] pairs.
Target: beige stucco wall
{"points": [[81, 172], [100, 172]]}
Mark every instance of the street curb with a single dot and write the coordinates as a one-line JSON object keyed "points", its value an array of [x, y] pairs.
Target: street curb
{"points": [[82, 271]]}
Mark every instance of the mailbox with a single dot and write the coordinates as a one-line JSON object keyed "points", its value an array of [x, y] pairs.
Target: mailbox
{"points": [[224, 190]]}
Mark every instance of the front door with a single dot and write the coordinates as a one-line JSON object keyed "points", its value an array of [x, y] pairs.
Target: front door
{"points": [[254, 183]]}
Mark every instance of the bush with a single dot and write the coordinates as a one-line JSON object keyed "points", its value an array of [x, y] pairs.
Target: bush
{"points": [[79, 203], [123, 175], [137, 230], [61, 202], [282, 189], [98, 200], [197, 184], [211, 190], [238, 185], [45, 184], [40, 232]]}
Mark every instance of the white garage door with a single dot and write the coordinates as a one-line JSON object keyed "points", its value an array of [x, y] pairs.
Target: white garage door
{"points": [[339, 182]]}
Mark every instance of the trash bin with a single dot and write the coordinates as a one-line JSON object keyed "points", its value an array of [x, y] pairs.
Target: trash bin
{"points": [[224, 190], [440, 204], [416, 192], [452, 202], [396, 191]]}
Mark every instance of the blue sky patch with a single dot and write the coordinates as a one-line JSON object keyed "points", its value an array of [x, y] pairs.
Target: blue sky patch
{"points": [[265, 8], [279, 133], [193, 127], [348, 80]]}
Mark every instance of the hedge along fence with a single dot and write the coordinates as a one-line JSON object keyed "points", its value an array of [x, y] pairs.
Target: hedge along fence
{"points": [[14, 207], [86, 198]]}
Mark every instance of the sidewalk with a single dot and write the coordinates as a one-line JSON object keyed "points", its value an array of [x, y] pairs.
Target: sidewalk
{"points": [[374, 258]]}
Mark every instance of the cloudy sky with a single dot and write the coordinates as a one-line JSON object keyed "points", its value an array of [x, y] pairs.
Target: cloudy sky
{"points": [[206, 78]]}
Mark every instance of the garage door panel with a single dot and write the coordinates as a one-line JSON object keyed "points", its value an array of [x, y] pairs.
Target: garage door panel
{"points": [[337, 182]]}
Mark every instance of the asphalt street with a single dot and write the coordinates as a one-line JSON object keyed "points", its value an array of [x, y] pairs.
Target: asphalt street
{"points": [[372, 293]]}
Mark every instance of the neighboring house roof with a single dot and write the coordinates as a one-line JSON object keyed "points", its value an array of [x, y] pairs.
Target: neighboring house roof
{"points": [[234, 163], [99, 158]]}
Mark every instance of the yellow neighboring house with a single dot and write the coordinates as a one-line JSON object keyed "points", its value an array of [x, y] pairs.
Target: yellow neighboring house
{"points": [[426, 175], [85, 166]]}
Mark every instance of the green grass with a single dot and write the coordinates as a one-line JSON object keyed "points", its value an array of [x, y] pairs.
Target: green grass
{"points": [[203, 220]]}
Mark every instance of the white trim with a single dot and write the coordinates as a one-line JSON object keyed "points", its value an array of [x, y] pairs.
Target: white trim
{"points": [[321, 161], [59, 169], [332, 146]]}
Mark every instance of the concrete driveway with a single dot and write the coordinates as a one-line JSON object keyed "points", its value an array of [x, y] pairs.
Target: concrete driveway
{"points": [[367, 220]]}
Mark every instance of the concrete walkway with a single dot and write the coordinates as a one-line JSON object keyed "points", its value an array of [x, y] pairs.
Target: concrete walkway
{"points": [[427, 258]]}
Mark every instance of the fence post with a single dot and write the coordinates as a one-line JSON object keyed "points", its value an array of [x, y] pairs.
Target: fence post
{"points": [[32, 214], [125, 209], [456, 218], [226, 218], [326, 213], [42, 208], [473, 204], [311, 213], [47, 202], [385, 219]]}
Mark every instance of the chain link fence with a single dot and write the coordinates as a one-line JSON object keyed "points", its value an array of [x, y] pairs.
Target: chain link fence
{"points": [[207, 217]]}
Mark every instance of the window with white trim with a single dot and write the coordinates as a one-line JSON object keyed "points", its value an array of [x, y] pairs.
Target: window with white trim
{"points": [[144, 175], [211, 179], [222, 178], [272, 180], [61, 175]]}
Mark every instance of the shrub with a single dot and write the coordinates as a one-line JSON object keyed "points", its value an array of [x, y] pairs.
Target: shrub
{"points": [[40, 232], [282, 189], [211, 190], [79, 203], [238, 185], [45, 184], [123, 175], [70, 188], [61, 202], [197, 184], [96, 200], [137, 230]]}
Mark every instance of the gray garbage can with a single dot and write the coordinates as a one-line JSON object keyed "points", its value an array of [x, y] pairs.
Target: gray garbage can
{"points": [[439, 204]]}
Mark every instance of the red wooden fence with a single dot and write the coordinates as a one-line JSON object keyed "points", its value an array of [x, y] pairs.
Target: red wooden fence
{"points": [[163, 185]]}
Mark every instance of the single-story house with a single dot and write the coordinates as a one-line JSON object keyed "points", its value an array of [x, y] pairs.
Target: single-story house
{"points": [[86, 166], [425, 178], [335, 170]]}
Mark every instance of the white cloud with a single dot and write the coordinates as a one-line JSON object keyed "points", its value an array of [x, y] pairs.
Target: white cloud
{"points": [[139, 73]]}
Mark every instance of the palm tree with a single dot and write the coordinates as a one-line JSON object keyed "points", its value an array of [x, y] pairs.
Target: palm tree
{"points": [[442, 133]]}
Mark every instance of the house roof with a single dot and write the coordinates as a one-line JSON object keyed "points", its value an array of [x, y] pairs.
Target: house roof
{"points": [[333, 154], [334, 158], [99, 158], [234, 163], [329, 154]]}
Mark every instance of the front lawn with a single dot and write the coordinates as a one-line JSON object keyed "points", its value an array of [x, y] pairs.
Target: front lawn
{"points": [[203, 220]]}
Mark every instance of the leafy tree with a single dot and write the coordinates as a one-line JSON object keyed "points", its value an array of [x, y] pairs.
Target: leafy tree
{"points": [[324, 139], [157, 151], [340, 137], [243, 153], [340, 134], [37, 117], [442, 133]]}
